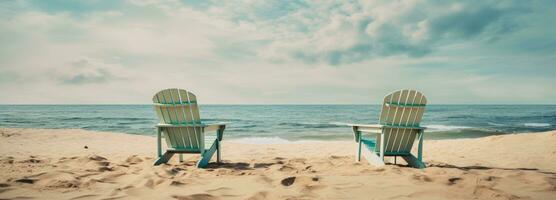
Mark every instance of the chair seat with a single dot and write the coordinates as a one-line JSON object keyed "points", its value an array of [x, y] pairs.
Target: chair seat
{"points": [[370, 144], [209, 141]]}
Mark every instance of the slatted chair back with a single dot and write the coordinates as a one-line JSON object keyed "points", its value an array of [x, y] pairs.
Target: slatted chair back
{"points": [[178, 109], [400, 111]]}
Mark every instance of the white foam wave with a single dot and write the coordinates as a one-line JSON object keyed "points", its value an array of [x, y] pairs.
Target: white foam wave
{"points": [[439, 127], [261, 140], [339, 123], [496, 124], [537, 124], [269, 140]]}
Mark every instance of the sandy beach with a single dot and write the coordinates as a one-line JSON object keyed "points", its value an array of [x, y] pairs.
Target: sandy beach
{"points": [[462, 92], [79, 164]]}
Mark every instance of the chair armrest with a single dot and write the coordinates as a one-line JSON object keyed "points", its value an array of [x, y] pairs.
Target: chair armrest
{"points": [[218, 127], [376, 128], [364, 128], [179, 125], [367, 128]]}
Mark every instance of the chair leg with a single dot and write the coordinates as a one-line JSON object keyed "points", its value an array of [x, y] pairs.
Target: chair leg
{"points": [[357, 135], [414, 162], [372, 158], [218, 153], [206, 156], [358, 153], [158, 142], [420, 148], [382, 146], [164, 158]]}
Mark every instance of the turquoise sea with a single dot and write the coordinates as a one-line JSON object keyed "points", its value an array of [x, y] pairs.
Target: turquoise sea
{"points": [[281, 123]]}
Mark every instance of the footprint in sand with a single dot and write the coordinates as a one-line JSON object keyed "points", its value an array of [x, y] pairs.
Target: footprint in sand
{"points": [[302, 180], [421, 177], [287, 168], [92, 163], [26, 180], [338, 157], [104, 169], [174, 171], [262, 165], [279, 158], [489, 178], [134, 159], [298, 160], [103, 166], [58, 179], [31, 161], [453, 180], [177, 183], [288, 181], [8, 160], [97, 158], [151, 183]]}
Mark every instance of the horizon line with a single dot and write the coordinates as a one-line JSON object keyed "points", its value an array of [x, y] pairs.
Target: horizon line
{"points": [[263, 104]]}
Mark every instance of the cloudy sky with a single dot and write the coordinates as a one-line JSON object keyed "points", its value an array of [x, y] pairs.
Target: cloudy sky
{"points": [[277, 52]]}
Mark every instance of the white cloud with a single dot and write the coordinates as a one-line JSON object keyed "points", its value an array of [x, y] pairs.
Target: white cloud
{"points": [[264, 52]]}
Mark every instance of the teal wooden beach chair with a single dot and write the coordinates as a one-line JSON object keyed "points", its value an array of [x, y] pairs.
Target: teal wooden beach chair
{"points": [[181, 126], [396, 132]]}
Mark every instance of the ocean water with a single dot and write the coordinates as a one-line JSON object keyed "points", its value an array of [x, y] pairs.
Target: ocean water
{"points": [[282, 123]]}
